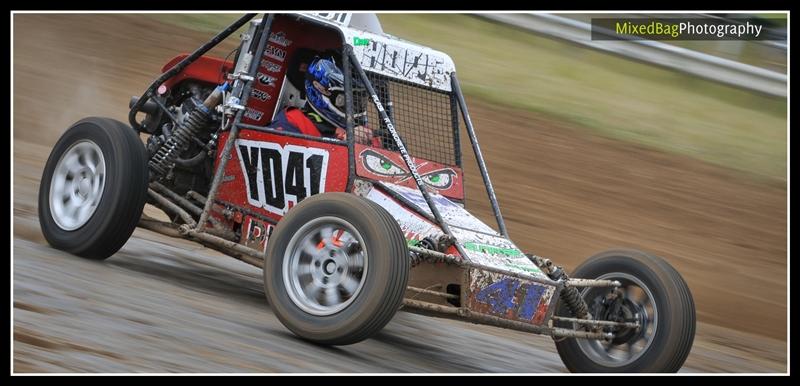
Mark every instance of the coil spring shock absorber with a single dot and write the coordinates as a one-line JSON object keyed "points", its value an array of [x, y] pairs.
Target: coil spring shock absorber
{"points": [[569, 294], [164, 159], [576, 305]]}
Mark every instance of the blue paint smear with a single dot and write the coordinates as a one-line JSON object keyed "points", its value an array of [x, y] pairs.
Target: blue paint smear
{"points": [[532, 296], [499, 295]]}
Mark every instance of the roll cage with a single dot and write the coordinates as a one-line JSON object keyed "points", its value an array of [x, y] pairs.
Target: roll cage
{"points": [[440, 78]]}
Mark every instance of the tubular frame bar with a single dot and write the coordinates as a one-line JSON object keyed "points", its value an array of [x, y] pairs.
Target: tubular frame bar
{"points": [[436, 257], [432, 293], [192, 208], [464, 314], [234, 132], [349, 119], [168, 206], [478, 155], [183, 64], [248, 255], [596, 323], [229, 248], [265, 129], [456, 134]]}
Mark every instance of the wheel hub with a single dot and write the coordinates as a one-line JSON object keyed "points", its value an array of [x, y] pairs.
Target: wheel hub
{"points": [[632, 302], [616, 308], [84, 187], [77, 185], [330, 267], [324, 266]]}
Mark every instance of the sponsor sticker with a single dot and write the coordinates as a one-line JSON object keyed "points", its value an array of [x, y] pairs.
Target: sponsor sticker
{"points": [[333, 17], [260, 95], [492, 250], [253, 114], [420, 67], [275, 53], [256, 234], [266, 80], [270, 67], [279, 38]]}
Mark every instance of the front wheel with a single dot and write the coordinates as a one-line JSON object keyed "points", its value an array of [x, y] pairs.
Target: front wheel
{"points": [[336, 269], [653, 294], [93, 188]]}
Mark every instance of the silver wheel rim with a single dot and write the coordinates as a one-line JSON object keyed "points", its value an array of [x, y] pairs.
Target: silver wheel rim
{"points": [[618, 355], [77, 185], [325, 266]]}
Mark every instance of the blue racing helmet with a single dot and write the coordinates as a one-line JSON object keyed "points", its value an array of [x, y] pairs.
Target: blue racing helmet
{"points": [[325, 92]]}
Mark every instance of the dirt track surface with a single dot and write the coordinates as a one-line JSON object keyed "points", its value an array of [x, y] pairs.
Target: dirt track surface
{"points": [[162, 305]]}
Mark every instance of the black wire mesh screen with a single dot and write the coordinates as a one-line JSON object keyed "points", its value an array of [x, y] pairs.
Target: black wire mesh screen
{"points": [[425, 118]]}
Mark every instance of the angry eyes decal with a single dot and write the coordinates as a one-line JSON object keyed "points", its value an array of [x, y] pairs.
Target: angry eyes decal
{"points": [[382, 166], [440, 179], [379, 164]]}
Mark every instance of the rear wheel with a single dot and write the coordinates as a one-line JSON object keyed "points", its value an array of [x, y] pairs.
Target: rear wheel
{"points": [[93, 188], [653, 294], [336, 269]]}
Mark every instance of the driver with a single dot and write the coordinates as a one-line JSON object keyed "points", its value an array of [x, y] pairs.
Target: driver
{"points": [[324, 111]]}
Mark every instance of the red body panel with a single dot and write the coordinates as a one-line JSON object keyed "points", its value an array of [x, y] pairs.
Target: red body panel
{"points": [[205, 69], [268, 173]]}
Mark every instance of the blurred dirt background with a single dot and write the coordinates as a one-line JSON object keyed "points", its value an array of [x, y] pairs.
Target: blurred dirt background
{"points": [[162, 305]]}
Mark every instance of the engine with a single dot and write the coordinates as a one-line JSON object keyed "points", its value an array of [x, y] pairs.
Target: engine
{"points": [[182, 142]]}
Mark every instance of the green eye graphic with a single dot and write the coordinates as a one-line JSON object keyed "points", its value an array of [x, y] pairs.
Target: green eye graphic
{"points": [[440, 179], [380, 165]]}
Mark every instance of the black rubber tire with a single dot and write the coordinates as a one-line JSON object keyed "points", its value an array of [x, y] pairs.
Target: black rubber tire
{"points": [[676, 316], [124, 192], [385, 282]]}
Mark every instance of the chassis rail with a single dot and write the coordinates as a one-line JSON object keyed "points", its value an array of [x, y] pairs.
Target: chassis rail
{"points": [[256, 258], [466, 314]]}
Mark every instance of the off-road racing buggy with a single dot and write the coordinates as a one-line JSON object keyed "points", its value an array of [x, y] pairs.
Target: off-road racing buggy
{"points": [[346, 232]]}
